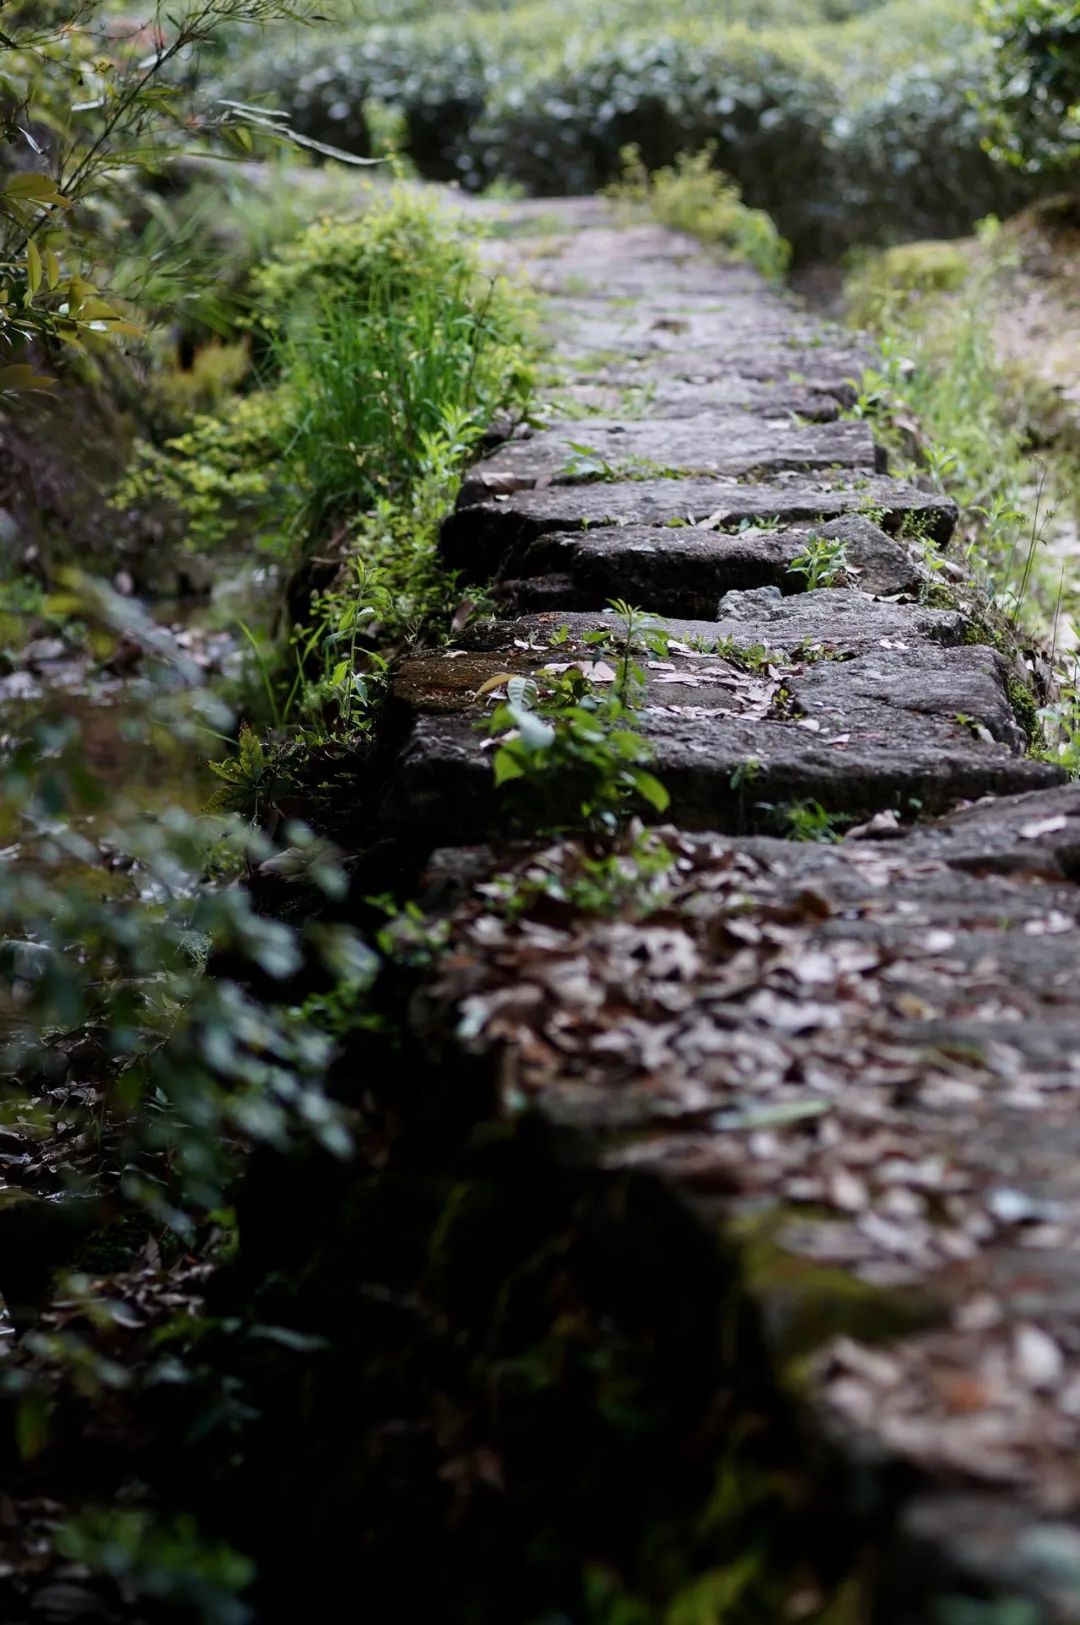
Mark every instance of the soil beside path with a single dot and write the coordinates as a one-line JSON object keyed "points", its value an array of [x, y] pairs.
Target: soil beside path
{"points": [[860, 1061]]}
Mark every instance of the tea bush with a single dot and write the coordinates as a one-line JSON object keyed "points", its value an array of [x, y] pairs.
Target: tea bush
{"points": [[1034, 95], [915, 158], [846, 123], [557, 120], [398, 244]]}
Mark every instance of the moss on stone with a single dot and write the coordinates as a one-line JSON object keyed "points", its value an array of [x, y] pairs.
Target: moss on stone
{"points": [[1026, 712], [935, 595], [906, 272], [805, 1304]]}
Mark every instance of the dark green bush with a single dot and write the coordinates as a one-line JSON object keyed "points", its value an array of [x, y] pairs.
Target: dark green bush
{"points": [[767, 112], [474, 114], [835, 150], [325, 81], [1034, 96], [914, 161]]}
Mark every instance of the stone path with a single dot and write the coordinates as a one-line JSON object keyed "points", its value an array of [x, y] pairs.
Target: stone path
{"points": [[860, 1060]]}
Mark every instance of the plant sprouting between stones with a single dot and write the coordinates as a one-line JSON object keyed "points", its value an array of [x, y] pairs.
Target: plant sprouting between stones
{"points": [[567, 736]]}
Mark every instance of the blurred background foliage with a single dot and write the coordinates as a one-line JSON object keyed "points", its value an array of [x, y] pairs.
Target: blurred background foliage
{"points": [[850, 121]]}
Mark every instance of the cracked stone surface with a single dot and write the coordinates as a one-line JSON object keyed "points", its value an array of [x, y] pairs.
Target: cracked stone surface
{"points": [[480, 537], [869, 706], [736, 445], [681, 398], [687, 570]]}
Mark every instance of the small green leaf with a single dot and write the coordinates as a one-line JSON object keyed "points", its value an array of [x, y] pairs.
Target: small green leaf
{"points": [[536, 734], [648, 786], [21, 376], [36, 188], [33, 268], [507, 767], [252, 759], [522, 692], [32, 1424]]}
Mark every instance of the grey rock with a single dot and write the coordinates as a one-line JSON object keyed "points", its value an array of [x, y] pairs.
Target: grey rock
{"points": [[739, 445], [490, 538], [743, 606], [890, 726], [684, 570], [681, 398], [977, 1545]]}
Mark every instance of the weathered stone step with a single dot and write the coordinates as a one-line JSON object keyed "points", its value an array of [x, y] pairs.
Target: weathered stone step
{"points": [[639, 326], [834, 368], [857, 1064], [654, 334], [609, 263], [686, 571], [740, 445], [669, 398], [891, 711], [479, 539]]}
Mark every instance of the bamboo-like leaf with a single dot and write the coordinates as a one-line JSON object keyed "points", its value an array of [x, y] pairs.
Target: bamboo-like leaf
{"points": [[651, 790], [20, 376], [493, 683], [33, 268], [34, 189]]}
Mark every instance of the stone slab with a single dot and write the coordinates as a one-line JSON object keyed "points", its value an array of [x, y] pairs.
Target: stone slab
{"points": [[833, 368], [686, 571], [644, 332], [676, 398], [609, 261], [737, 444], [485, 538], [900, 714], [860, 1062]]}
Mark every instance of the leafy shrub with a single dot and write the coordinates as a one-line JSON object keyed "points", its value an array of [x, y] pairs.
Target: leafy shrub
{"points": [[391, 353], [480, 107], [167, 1563], [691, 195], [914, 159], [327, 87], [400, 243], [887, 282], [84, 103], [1034, 95], [764, 105], [109, 935], [223, 475], [944, 407]]}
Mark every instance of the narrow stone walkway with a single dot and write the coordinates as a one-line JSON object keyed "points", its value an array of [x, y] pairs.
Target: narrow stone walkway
{"points": [[860, 1060]]}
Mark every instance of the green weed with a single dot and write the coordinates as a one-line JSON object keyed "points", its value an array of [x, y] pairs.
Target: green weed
{"points": [[569, 749], [823, 562], [806, 820]]}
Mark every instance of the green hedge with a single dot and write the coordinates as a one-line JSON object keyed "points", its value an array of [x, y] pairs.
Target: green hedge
{"points": [[913, 160], [767, 112], [835, 158], [1034, 100]]}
